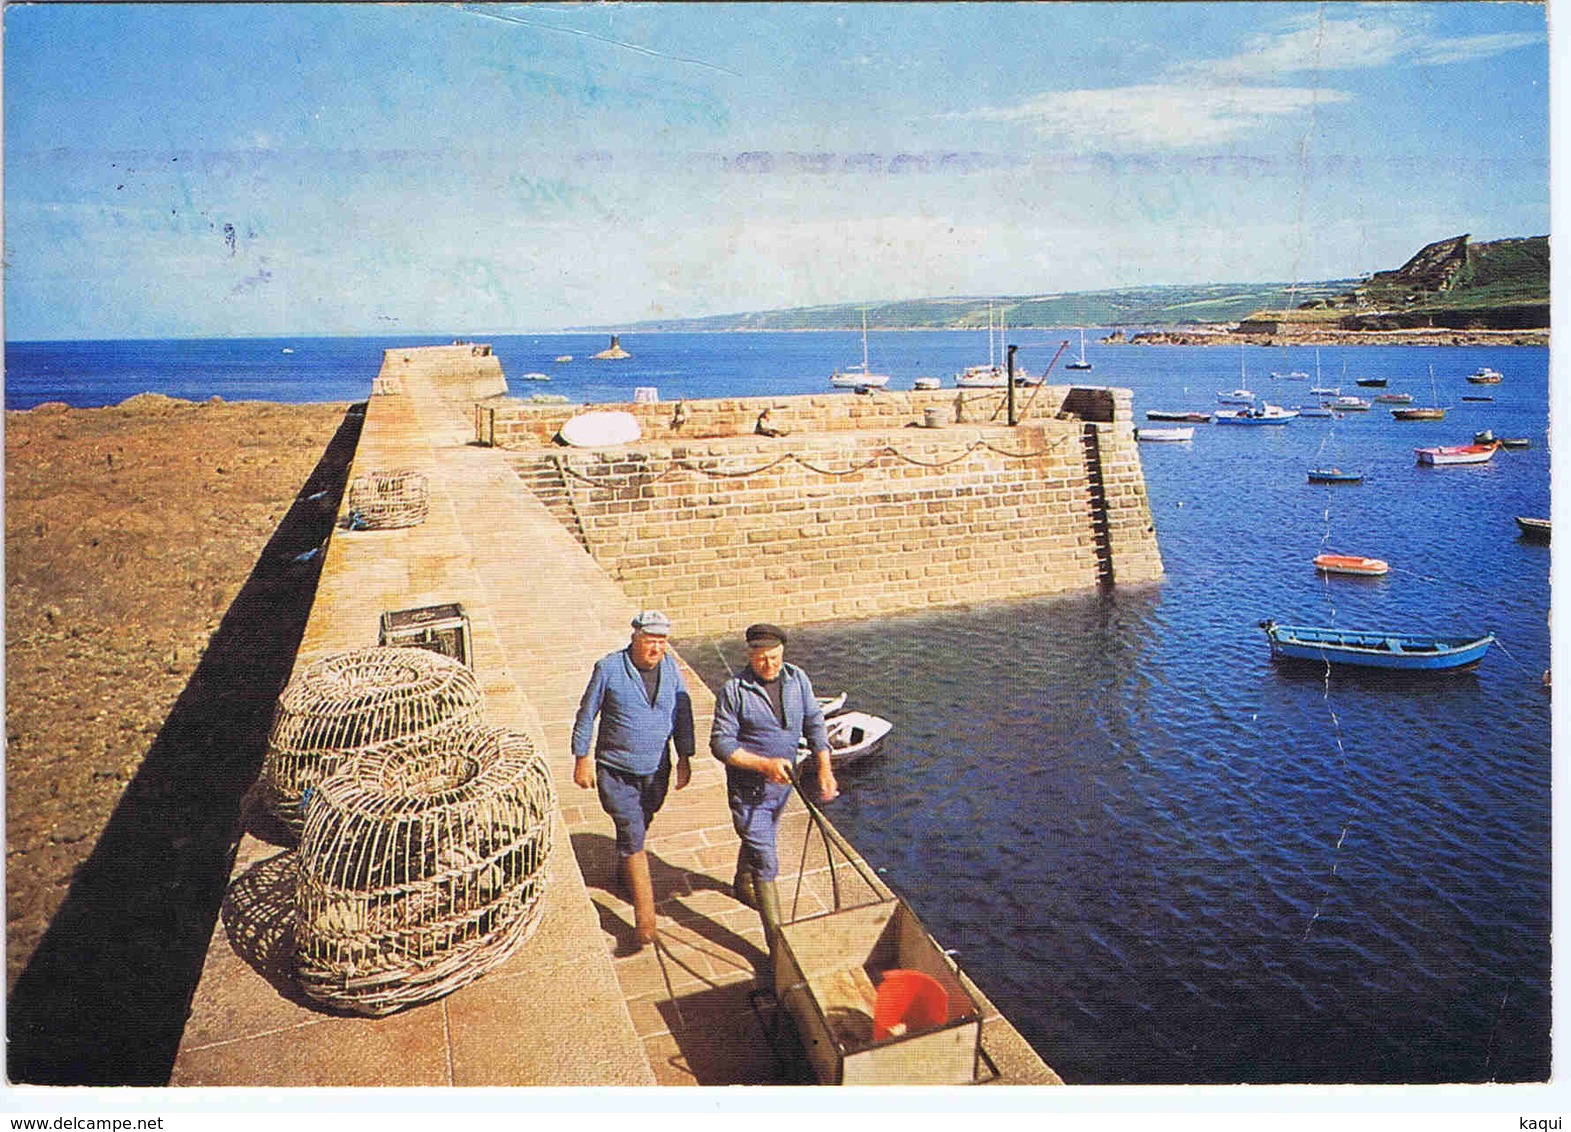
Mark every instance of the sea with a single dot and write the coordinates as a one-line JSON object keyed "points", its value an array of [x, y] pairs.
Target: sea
{"points": [[1165, 858]]}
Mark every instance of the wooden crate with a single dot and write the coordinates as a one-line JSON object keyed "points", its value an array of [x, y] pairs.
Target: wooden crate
{"points": [[826, 975], [440, 628]]}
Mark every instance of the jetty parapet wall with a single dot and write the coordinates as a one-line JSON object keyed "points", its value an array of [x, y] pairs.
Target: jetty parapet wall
{"points": [[463, 371], [714, 523]]}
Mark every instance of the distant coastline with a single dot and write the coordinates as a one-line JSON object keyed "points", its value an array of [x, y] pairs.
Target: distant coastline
{"points": [[1427, 336]]}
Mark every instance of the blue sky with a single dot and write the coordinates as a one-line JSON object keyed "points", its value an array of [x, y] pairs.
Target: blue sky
{"points": [[294, 169]]}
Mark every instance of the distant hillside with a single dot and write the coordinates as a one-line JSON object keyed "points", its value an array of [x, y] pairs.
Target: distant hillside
{"points": [[1455, 283], [1130, 306]]}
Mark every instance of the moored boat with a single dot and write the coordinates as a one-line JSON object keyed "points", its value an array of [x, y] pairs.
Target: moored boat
{"points": [[1371, 382], [1432, 412], [1355, 564], [859, 376], [926, 383], [1169, 434], [1173, 415], [1515, 442], [1373, 649], [1392, 398], [852, 735], [1456, 454], [1483, 375], [1264, 415], [1315, 411], [1235, 397], [1082, 364], [1334, 475], [1467, 398], [1533, 530], [1348, 404]]}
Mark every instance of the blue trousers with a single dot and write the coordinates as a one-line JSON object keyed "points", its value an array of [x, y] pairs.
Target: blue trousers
{"points": [[755, 814], [632, 800]]}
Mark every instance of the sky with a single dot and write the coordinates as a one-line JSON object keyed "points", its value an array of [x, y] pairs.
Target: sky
{"points": [[234, 170]]}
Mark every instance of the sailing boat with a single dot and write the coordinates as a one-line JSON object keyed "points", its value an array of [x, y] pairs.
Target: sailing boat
{"points": [[859, 377], [1432, 413], [990, 376], [1082, 363]]}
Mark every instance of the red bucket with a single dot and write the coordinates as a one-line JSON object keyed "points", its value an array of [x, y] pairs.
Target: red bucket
{"points": [[911, 1000]]}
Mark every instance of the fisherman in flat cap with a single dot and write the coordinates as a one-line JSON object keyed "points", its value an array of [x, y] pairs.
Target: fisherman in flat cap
{"points": [[759, 717], [644, 710]]}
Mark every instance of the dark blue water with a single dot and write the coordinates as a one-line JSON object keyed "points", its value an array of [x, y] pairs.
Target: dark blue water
{"points": [[1165, 858]]}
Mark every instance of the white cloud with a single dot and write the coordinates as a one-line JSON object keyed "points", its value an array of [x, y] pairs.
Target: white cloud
{"points": [[1158, 115], [1371, 38], [1468, 48], [1333, 45]]}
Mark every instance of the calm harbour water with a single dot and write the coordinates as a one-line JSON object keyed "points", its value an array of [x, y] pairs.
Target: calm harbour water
{"points": [[1165, 859]]}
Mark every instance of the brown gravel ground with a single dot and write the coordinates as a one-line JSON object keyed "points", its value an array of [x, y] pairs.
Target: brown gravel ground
{"points": [[154, 600]]}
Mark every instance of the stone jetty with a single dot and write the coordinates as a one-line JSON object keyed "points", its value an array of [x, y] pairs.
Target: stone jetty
{"points": [[572, 1006]]}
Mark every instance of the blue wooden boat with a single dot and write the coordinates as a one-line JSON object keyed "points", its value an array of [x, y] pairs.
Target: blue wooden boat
{"points": [[1366, 649], [1334, 475]]}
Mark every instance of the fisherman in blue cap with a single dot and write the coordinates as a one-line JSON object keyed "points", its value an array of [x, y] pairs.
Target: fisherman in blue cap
{"points": [[644, 710], [760, 715]]}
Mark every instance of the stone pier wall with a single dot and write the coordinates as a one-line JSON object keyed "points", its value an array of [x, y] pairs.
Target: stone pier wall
{"points": [[462, 371], [854, 513]]}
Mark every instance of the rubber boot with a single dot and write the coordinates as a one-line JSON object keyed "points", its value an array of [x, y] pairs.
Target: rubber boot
{"points": [[636, 869], [769, 913], [742, 883]]}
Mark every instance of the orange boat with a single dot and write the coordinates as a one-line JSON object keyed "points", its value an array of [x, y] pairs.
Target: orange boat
{"points": [[1351, 564]]}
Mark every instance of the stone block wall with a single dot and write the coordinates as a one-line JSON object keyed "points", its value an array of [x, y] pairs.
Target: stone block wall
{"points": [[837, 523], [463, 371], [518, 424]]}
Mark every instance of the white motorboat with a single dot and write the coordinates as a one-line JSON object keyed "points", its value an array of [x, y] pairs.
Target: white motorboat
{"points": [[852, 735], [1167, 434], [831, 704], [1266, 414]]}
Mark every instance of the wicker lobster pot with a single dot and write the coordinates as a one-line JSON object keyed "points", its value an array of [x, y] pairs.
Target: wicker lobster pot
{"points": [[384, 499], [420, 869], [354, 703]]}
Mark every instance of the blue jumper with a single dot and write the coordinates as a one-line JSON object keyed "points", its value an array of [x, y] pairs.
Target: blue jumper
{"points": [[633, 732], [745, 718]]}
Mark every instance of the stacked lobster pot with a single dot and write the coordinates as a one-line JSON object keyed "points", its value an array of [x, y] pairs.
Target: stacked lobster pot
{"points": [[388, 499], [424, 834], [353, 704], [420, 870]]}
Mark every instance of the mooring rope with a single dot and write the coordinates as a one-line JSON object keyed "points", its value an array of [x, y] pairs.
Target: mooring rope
{"points": [[673, 464]]}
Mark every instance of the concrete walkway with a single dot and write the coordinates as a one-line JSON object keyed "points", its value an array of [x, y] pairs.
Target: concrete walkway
{"points": [[571, 1007]]}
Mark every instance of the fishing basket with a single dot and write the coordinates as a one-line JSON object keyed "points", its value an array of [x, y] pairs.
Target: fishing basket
{"points": [[383, 500], [421, 869], [357, 703]]}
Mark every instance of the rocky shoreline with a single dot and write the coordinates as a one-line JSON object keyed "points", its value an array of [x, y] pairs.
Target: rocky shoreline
{"points": [[1230, 336], [130, 532]]}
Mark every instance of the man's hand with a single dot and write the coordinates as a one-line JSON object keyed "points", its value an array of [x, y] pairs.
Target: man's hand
{"points": [[684, 772], [584, 772], [777, 771], [828, 788]]}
